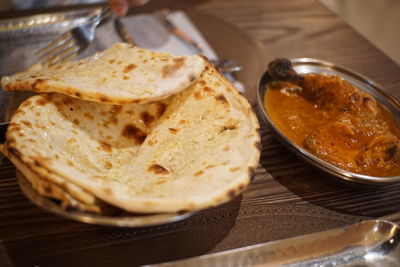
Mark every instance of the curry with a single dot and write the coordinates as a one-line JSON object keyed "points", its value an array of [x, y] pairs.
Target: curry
{"points": [[335, 121]]}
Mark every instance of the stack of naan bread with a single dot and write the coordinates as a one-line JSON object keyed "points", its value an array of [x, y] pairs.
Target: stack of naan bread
{"points": [[133, 129]]}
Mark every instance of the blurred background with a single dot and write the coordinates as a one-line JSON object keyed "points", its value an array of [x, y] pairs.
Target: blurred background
{"points": [[376, 20]]}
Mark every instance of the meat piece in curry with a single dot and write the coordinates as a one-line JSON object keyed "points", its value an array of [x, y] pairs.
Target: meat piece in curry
{"points": [[334, 120]]}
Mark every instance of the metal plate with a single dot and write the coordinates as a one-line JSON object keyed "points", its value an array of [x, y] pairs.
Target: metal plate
{"points": [[369, 243], [44, 24], [133, 220], [307, 65], [21, 37]]}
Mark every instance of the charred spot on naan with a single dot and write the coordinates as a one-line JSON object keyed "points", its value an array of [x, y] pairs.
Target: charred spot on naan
{"points": [[173, 130], [169, 69], [198, 173], [13, 127], [105, 146], [147, 118], [108, 165], [43, 100], [209, 90], [157, 169], [26, 123], [31, 140], [13, 150], [197, 95], [230, 127], [161, 108], [152, 142], [192, 78], [132, 132], [112, 119], [26, 103], [222, 99], [104, 98], [209, 166], [129, 67]]}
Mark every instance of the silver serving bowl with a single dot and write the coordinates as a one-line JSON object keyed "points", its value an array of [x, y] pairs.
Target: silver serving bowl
{"points": [[128, 220], [308, 65]]}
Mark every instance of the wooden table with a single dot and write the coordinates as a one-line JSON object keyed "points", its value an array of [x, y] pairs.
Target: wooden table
{"points": [[287, 197]]}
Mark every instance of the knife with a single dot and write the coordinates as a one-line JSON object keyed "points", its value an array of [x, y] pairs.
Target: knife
{"points": [[122, 32], [369, 243], [163, 16]]}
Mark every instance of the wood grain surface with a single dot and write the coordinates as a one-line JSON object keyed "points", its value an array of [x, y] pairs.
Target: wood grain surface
{"points": [[287, 197]]}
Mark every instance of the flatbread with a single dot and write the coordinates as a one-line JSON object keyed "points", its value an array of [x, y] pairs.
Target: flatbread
{"points": [[119, 75], [49, 185], [194, 150]]}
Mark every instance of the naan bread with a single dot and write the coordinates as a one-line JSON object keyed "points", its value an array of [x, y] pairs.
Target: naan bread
{"points": [[120, 75], [53, 186], [194, 150]]}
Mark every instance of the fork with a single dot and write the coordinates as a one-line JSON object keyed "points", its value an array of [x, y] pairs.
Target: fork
{"points": [[73, 42]]}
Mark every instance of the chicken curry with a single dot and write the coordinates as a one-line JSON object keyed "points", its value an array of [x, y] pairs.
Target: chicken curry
{"points": [[335, 121]]}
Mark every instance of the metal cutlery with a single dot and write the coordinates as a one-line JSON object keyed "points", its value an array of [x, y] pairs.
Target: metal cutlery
{"points": [[223, 65], [368, 243], [73, 42], [122, 32]]}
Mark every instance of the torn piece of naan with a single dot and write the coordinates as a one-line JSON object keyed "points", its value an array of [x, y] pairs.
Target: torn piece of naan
{"points": [[121, 74]]}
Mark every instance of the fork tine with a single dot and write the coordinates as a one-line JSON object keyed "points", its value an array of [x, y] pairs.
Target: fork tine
{"points": [[55, 43], [66, 54], [61, 56], [73, 42], [69, 57], [105, 13], [57, 50]]}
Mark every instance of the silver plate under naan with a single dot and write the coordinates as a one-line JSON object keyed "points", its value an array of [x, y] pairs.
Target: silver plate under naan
{"points": [[133, 220]]}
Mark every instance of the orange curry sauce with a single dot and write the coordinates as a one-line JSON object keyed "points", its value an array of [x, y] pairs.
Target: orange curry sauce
{"points": [[297, 118]]}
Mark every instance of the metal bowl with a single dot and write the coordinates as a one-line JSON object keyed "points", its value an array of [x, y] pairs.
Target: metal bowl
{"points": [[128, 220], [308, 65]]}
